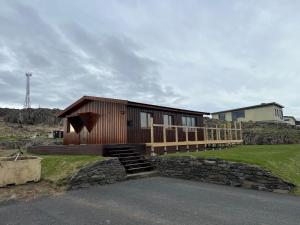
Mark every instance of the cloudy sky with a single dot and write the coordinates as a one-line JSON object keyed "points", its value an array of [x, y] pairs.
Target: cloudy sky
{"points": [[201, 55]]}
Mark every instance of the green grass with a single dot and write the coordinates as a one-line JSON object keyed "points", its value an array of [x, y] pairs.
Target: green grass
{"points": [[8, 138], [281, 160], [56, 168]]}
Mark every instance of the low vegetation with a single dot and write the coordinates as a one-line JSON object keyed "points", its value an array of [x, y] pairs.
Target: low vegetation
{"points": [[281, 160], [56, 168]]}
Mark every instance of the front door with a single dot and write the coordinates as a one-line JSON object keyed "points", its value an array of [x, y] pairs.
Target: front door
{"points": [[83, 135]]}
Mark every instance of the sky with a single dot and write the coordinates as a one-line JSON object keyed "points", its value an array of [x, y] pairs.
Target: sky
{"points": [[200, 55]]}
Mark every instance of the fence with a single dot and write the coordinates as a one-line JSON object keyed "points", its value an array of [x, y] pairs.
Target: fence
{"points": [[215, 136]]}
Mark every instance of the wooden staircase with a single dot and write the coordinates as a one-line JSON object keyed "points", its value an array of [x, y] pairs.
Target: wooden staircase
{"points": [[130, 158]]}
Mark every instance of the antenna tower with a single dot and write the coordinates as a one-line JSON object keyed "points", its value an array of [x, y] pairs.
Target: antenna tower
{"points": [[27, 103]]}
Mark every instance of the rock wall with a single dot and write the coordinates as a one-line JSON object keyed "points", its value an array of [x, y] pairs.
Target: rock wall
{"points": [[107, 171], [220, 172]]}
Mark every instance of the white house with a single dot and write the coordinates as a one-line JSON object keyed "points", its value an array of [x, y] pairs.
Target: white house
{"points": [[268, 112]]}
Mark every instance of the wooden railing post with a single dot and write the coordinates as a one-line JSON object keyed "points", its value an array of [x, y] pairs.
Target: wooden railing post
{"points": [[241, 132], [212, 134], [187, 139], [176, 138], [196, 139], [235, 131], [165, 138], [152, 136], [230, 131]]}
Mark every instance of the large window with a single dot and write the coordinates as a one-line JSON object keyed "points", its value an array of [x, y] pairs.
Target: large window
{"points": [[168, 120], [238, 114], [188, 121], [145, 119], [222, 116]]}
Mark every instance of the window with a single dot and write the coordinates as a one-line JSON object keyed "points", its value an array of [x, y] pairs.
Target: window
{"points": [[168, 120], [188, 121], [222, 116], [237, 114], [279, 113], [145, 119]]}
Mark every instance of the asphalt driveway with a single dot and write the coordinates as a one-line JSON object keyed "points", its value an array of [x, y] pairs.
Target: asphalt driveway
{"points": [[157, 200]]}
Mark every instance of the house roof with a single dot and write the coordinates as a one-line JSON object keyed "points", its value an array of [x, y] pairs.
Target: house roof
{"points": [[251, 107], [86, 99]]}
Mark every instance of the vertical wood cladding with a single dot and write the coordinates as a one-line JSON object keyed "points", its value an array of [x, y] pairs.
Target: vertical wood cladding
{"points": [[110, 128], [136, 134]]}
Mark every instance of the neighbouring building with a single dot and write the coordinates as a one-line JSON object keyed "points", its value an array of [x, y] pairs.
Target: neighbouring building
{"points": [[267, 112], [97, 120], [290, 120]]}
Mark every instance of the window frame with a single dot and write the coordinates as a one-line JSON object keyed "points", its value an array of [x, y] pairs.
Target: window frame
{"points": [[190, 121], [147, 120], [235, 115], [169, 119]]}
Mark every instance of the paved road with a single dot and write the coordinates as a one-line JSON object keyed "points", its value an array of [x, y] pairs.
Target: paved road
{"points": [[157, 201]]}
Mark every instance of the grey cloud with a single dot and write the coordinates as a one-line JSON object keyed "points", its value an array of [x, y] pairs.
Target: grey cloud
{"points": [[202, 55], [132, 74], [60, 73]]}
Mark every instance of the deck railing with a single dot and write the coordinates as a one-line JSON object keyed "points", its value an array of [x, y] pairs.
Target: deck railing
{"points": [[215, 136]]}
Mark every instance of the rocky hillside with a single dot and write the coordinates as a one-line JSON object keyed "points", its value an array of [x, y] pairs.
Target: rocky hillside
{"points": [[20, 128], [264, 133], [31, 116]]}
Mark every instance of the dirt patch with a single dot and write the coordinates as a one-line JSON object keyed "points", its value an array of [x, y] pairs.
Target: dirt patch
{"points": [[29, 191]]}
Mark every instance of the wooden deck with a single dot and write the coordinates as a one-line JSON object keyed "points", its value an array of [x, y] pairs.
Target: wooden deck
{"points": [[211, 136]]}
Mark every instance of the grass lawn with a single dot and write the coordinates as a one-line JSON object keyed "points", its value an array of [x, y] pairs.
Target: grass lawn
{"points": [[281, 160], [56, 168]]}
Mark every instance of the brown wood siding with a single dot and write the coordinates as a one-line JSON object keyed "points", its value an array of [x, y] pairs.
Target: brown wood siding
{"points": [[110, 128], [136, 134]]}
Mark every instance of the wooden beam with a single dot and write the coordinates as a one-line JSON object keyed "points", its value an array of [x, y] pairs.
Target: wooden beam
{"points": [[235, 131], [176, 138], [152, 136], [161, 144], [187, 138], [196, 139], [165, 138]]}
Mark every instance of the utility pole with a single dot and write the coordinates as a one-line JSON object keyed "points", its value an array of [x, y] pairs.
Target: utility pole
{"points": [[27, 103]]}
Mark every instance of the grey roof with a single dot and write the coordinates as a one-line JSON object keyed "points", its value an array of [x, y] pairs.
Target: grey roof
{"points": [[251, 107]]}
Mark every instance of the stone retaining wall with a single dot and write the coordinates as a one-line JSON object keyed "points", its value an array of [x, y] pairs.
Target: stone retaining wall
{"points": [[102, 172], [220, 172]]}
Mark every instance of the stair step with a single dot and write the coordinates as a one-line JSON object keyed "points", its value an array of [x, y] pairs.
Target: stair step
{"points": [[121, 150], [132, 160], [130, 157], [119, 147], [138, 164], [124, 154]]}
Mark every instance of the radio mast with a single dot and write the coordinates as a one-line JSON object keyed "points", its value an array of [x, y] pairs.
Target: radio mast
{"points": [[27, 103]]}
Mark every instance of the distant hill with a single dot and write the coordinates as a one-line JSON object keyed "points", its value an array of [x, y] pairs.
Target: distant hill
{"points": [[31, 116]]}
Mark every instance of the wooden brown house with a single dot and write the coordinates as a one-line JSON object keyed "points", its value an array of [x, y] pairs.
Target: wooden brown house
{"points": [[97, 120]]}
